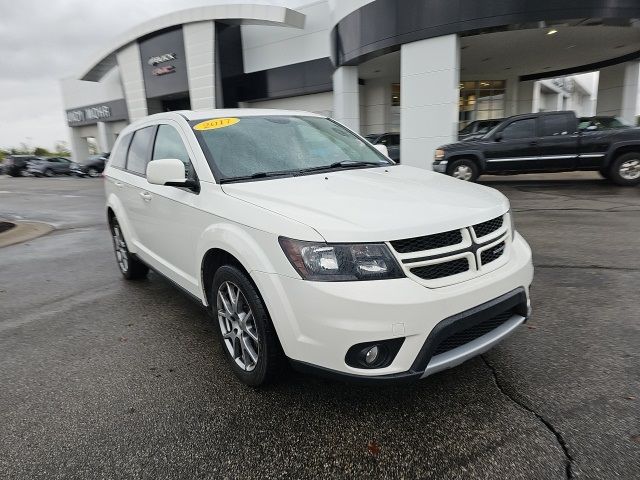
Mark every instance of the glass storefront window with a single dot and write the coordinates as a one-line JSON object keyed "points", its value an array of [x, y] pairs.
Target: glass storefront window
{"points": [[395, 94], [481, 100]]}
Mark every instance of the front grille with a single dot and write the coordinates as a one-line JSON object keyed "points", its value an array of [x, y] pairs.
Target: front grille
{"points": [[490, 226], [465, 336], [428, 242], [441, 270], [492, 253]]}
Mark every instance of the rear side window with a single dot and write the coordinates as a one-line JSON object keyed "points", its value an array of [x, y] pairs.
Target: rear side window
{"points": [[520, 129], [139, 151], [119, 157], [553, 125]]}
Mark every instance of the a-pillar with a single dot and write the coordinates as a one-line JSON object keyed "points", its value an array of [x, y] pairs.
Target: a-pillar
{"points": [[346, 97], [429, 97], [618, 91]]}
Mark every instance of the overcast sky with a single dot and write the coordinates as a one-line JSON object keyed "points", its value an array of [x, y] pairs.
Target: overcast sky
{"points": [[42, 41]]}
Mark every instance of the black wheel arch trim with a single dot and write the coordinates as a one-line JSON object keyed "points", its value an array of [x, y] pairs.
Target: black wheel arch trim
{"points": [[613, 151], [473, 155]]}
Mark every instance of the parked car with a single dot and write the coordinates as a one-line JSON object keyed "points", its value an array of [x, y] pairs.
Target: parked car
{"points": [[544, 142], [91, 167], [49, 166], [478, 128], [16, 165], [602, 123], [303, 241], [389, 140]]}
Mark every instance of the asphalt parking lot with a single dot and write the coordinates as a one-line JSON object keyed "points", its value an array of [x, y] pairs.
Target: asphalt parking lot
{"points": [[107, 379]]}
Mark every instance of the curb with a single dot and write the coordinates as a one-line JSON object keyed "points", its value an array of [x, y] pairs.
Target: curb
{"points": [[18, 232]]}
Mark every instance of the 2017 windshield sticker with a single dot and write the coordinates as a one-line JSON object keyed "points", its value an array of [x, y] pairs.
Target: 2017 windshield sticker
{"points": [[215, 123]]}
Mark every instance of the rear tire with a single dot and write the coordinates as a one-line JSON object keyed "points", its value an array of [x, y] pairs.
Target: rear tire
{"points": [[248, 338], [625, 170], [130, 267], [48, 173], [464, 169]]}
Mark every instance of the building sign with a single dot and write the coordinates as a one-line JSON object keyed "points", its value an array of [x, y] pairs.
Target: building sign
{"points": [[164, 67], [104, 112], [166, 57]]}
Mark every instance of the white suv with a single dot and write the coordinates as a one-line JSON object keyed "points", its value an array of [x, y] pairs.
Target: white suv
{"points": [[310, 246]]}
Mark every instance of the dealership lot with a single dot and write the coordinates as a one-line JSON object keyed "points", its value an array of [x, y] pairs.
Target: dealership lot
{"points": [[103, 378]]}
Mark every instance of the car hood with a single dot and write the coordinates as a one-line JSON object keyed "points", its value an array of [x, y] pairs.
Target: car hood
{"points": [[374, 204]]}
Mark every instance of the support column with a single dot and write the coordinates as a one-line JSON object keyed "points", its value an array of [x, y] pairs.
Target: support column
{"points": [[105, 137], [199, 39], [346, 97], [376, 99], [429, 96], [512, 86], [79, 145], [618, 91], [536, 103], [525, 96], [130, 68]]}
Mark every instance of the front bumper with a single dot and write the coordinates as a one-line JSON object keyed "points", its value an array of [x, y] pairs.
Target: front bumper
{"points": [[440, 167], [317, 322]]}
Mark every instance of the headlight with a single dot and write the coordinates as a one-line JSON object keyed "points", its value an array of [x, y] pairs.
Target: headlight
{"points": [[512, 224], [439, 154], [330, 262]]}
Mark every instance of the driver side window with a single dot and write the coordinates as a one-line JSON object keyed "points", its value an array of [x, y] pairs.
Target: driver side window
{"points": [[169, 144]]}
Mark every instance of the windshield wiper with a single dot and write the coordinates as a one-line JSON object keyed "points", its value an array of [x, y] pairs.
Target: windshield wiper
{"points": [[256, 175], [344, 164]]}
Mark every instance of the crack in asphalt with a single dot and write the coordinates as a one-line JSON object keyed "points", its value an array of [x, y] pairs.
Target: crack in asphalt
{"points": [[558, 436]]}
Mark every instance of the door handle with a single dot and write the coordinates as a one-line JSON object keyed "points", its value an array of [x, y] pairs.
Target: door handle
{"points": [[118, 184], [146, 196], [533, 142]]}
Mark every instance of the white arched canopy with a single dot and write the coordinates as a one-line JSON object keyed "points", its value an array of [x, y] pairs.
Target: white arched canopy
{"points": [[234, 13]]}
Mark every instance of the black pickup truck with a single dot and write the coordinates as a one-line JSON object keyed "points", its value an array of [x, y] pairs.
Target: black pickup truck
{"points": [[544, 142]]}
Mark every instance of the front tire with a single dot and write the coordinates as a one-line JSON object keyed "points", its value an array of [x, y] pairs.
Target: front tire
{"points": [[247, 336], [93, 173], [464, 169], [130, 267], [48, 173], [625, 170]]}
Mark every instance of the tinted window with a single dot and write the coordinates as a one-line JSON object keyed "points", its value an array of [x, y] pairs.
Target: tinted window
{"points": [[139, 150], [394, 140], [520, 129], [553, 125], [119, 157], [169, 144]]}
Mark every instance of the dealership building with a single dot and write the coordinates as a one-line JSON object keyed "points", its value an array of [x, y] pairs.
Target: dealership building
{"points": [[423, 68]]}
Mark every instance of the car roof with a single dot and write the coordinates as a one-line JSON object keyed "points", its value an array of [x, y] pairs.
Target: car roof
{"points": [[194, 115]]}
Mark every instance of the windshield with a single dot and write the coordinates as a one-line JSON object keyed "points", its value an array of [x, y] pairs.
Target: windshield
{"points": [[467, 129], [242, 147]]}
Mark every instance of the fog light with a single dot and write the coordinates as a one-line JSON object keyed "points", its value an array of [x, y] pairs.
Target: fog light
{"points": [[372, 355]]}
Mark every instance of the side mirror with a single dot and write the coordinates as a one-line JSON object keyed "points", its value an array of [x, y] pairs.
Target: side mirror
{"points": [[382, 149], [169, 172], [498, 136]]}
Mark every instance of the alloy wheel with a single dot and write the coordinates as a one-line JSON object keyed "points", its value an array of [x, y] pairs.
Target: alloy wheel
{"points": [[93, 173], [238, 326], [630, 170], [121, 249], [462, 172]]}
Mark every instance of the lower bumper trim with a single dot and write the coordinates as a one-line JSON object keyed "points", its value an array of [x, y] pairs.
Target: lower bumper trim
{"points": [[440, 167], [469, 350]]}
